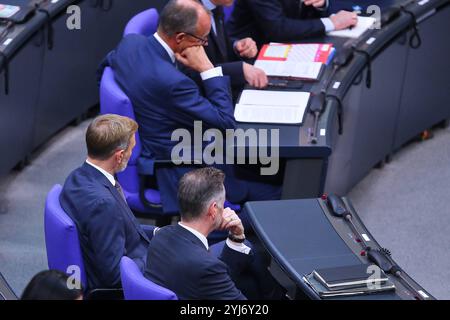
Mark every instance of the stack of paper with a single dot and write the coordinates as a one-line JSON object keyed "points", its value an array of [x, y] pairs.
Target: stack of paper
{"points": [[262, 106], [299, 61], [290, 69], [364, 23], [7, 11]]}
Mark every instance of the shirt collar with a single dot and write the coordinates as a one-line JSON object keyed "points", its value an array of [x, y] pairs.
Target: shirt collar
{"points": [[209, 5], [108, 175], [165, 46], [197, 234]]}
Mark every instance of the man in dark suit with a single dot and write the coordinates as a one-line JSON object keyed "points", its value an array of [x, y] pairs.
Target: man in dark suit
{"points": [[94, 200], [230, 54], [179, 257], [166, 100], [285, 20]]}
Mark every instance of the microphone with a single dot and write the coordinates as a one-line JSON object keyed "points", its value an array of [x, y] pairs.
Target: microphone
{"points": [[382, 258], [389, 15], [344, 54]]}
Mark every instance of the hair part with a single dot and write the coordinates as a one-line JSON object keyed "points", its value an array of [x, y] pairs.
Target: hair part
{"points": [[180, 16], [197, 189], [108, 133]]}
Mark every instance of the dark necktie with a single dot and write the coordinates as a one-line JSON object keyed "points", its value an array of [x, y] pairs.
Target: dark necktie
{"points": [[120, 191], [300, 5], [220, 31]]}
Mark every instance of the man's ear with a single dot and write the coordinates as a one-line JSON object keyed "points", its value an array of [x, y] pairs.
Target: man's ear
{"points": [[179, 37], [118, 155], [212, 210]]}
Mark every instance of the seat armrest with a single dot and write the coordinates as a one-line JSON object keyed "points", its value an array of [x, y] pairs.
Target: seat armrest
{"points": [[148, 229]]}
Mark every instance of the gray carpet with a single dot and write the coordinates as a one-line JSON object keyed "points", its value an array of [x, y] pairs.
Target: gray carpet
{"points": [[403, 205]]}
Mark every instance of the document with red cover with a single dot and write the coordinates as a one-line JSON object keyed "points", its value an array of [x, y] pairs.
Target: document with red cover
{"points": [[298, 61], [303, 52]]}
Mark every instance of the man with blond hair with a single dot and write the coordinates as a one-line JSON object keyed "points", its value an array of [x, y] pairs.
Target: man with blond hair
{"points": [[94, 200]]}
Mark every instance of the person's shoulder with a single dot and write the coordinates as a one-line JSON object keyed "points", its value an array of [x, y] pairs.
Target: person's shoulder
{"points": [[133, 40], [89, 186]]}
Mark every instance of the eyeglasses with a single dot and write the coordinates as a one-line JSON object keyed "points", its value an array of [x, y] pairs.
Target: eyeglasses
{"points": [[203, 41]]}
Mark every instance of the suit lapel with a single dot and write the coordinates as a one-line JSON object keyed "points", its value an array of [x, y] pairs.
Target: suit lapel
{"points": [[156, 46], [189, 236], [121, 202]]}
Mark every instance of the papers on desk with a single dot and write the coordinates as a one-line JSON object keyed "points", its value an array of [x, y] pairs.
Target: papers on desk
{"points": [[364, 23], [298, 61], [262, 106], [288, 69], [7, 11]]}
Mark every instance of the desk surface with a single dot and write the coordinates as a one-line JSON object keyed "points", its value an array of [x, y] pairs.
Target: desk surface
{"points": [[301, 235]]}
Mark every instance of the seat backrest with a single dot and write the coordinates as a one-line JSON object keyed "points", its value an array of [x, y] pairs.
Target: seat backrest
{"points": [[114, 100], [227, 11], [61, 238], [137, 287], [144, 23]]}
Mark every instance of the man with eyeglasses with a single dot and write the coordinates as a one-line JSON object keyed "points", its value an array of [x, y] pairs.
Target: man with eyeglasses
{"points": [[234, 57], [165, 99]]}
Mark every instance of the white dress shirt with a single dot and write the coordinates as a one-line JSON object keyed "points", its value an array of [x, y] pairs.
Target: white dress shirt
{"points": [[208, 74], [240, 247], [108, 175], [329, 26]]}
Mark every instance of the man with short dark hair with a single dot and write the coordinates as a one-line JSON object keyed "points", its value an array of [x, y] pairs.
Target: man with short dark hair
{"points": [[179, 258], [94, 200]]}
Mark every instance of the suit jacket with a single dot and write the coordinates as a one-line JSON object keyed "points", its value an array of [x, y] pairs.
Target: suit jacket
{"points": [[164, 100], [227, 58], [179, 261], [274, 20], [106, 226]]}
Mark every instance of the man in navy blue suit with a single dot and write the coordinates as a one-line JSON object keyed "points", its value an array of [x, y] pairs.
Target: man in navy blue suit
{"points": [[92, 197], [232, 56], [165, 99], [179, 256], [285, 20]]}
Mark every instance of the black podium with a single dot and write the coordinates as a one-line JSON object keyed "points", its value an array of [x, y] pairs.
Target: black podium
{"points": [[302, 235]]}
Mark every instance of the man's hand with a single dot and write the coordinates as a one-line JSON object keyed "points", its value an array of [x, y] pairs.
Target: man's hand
{"points": [[344, 19], [232, 223], [246, 48], [254, 76], [314, 3], [195, 58]]}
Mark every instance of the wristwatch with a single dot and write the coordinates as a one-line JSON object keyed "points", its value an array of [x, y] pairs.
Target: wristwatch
{"points": [[236, 239]]}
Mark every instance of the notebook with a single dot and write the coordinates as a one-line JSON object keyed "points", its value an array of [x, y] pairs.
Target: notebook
{"points": [[264, 106], [364, 23], [323, 292], [7, 11], [294, 61], [350, 276]]}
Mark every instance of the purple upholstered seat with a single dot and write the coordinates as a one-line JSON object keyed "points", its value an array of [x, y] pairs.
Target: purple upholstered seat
{"points": [[137, 287], [144, 23], [227, 11], [61, 238], [113, 100]]}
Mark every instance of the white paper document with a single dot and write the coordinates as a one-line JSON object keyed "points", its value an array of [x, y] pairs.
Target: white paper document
{"points": [[364, 23], [259, 106], [290, 69]]}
